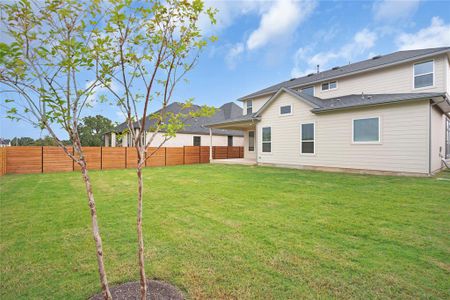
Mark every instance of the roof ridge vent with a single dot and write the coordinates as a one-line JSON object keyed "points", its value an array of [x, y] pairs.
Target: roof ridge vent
{"points": [[310, 74], [292, 79], [376, 57], [335, 68]]}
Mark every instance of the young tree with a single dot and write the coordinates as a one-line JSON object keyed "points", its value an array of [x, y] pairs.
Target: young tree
{"points": [[43, 67], [149, 48], [92, 129]]}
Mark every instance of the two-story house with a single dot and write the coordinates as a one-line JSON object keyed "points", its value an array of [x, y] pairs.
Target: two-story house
{"points": [[389, 113]]}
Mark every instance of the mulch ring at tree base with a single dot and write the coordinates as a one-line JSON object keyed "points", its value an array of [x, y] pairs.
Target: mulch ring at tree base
{"points": [[156, 290]]}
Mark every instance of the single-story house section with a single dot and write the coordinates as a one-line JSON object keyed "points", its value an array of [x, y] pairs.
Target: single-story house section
{"points": [[387, 114], [193, 134]]}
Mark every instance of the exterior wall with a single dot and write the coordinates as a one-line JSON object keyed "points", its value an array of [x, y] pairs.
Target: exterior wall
{"points": [[437, 138], [396, 79], [447, 73], [183, 139], [257, 102], [250, 154], [403, 146]]}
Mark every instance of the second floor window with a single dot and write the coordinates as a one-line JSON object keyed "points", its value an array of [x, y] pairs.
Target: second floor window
{"points": [[423, 74], [249, 105], [308, 90], [286, 110], [329, 85]]}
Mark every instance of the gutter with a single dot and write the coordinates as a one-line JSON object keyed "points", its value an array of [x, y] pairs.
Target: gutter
{"points": [[348, 74], [318, 111]]}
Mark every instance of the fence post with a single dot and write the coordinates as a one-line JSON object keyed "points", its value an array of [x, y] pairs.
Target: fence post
{"points": [[42, 159], [199, 154], [101, 158], [165, 156], [184, 155], [126, 157]]}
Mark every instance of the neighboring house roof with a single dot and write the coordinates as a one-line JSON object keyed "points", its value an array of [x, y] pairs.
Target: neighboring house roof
{"points": [[358, 67], [5, 141], [196, 125], [319, 105]]}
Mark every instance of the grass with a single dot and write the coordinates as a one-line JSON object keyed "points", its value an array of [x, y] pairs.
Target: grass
{"points": [[229, 232]]}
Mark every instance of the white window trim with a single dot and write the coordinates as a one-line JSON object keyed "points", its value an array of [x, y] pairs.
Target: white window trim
{"points": [[321, 86], [262, 141], [314, 139], [414, 75], [285, 115], [371, 142], [254, 140]]}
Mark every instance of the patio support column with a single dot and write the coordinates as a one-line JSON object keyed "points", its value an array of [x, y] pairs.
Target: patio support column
{"points": [[210, 144], [113, 139]]}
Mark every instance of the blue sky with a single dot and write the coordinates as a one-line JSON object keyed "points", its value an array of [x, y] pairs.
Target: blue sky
{"points": [[265, 42]]}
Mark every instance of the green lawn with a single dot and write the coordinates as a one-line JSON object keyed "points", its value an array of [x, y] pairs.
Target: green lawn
{"points": [[229, 232]]}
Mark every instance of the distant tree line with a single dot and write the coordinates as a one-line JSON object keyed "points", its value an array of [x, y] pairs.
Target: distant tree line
{"points": [[92, 129]]}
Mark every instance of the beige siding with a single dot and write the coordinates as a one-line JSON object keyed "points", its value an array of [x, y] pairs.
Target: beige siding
{"points": [[447, 73], [437, 138], [257, 102], [188, 140], [403, 147], [396, 79]]}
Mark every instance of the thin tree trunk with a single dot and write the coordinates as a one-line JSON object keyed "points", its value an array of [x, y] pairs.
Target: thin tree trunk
{"points": [[95, 232], [141, 161]]}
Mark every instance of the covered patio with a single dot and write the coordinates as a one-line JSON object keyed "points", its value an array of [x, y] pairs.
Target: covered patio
{"points": [[246, 124]]}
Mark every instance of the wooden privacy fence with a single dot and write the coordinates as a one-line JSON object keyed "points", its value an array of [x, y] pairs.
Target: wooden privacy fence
{"points": [[35, 159]]}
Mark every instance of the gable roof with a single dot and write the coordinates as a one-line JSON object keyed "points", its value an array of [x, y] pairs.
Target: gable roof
{"points": [[358, 67], [195, 125], [319, 105], [314, 102]]}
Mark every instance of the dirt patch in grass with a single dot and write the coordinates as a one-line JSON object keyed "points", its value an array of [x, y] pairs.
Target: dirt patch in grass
{"points": [[156, 290]]}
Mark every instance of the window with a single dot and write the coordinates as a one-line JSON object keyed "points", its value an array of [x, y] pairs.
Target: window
{"points": [[286, 110], [251, 141], [249, 107], [308, 90], [266, 139], [307, 138], [423, 74], [197, 140], [366, 130], [230, 141], [329, 85]]}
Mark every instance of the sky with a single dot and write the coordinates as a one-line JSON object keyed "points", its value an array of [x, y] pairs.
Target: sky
{"points": [[261, 43]]}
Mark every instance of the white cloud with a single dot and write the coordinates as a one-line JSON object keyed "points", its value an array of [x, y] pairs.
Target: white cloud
{"points": [[227, 12], [436, 35], [394, 10], [305, 62], [234, 54], [280, 21]]}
